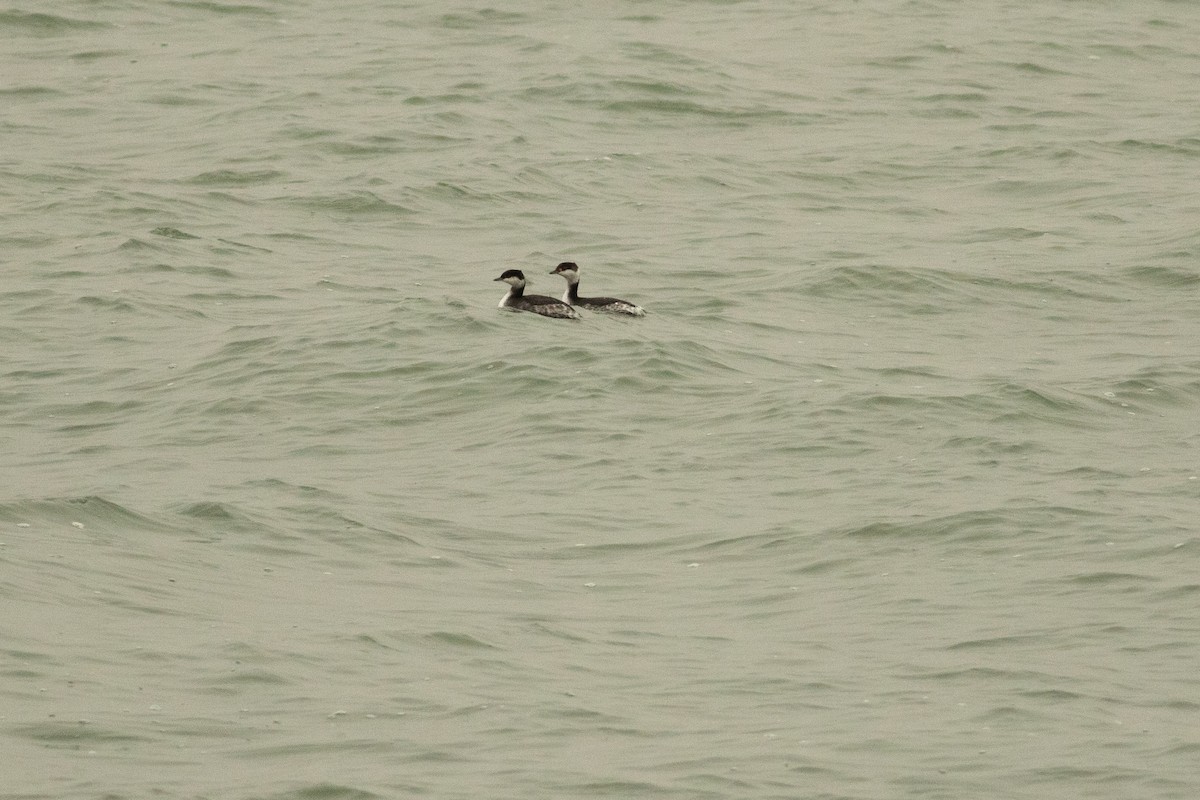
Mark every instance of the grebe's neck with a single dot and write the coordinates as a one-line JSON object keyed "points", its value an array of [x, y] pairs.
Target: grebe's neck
{"points": [[514, 294]]}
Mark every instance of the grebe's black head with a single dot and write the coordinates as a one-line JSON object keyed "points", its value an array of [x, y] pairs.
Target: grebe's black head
{"points": [[566, 266], [512, 277]]}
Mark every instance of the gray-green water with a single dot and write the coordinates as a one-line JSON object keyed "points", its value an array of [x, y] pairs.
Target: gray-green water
{"points": [[893, 494]]}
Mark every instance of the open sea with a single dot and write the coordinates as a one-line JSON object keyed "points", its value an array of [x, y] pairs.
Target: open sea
{"points": [[894, 493]]}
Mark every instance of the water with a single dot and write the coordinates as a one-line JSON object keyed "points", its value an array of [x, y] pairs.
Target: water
{"points": [[893, 493]]}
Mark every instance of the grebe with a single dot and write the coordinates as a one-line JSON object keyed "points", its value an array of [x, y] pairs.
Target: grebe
{"points": [[570, 271], [517, 300]]}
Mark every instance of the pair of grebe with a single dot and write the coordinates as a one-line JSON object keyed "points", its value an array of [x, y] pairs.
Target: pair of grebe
{"points": [[563, 309]]}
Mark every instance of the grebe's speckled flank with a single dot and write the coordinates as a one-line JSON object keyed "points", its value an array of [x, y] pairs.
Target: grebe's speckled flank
{"points": [[517, 300], [570, 271]]}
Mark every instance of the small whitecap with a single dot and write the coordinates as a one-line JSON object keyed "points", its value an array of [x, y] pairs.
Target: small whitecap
{"points": [[77, 525]]}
